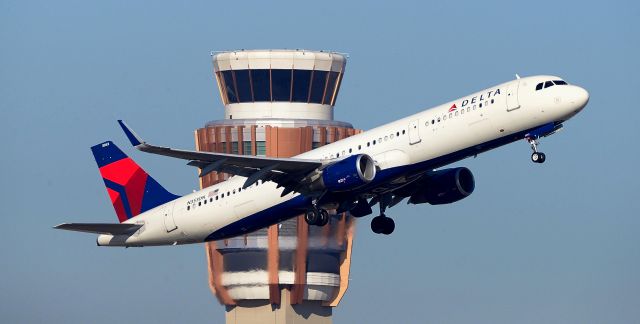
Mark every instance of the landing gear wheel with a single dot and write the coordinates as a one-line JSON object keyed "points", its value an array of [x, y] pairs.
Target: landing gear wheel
{"points": [[382, 225], [323, 218], [538, 157], [389, 226], [312, 216], [377, 224]]}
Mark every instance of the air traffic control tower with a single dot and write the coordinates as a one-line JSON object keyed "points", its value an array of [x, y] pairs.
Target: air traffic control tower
{"points": [[278, 103]]}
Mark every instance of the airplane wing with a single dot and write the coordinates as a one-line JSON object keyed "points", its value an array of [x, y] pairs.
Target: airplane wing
{"points": [[100, 228], [286, 172]]}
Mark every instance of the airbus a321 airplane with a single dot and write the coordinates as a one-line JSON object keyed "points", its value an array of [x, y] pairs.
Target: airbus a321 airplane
{"points": [[383, 166]]}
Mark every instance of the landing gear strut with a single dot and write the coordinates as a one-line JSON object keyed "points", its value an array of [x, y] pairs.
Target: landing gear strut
{"points": [[316, 216], [536, 157], [383, 224]]}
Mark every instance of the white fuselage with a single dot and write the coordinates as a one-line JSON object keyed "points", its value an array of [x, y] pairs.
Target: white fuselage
{"points": [[488, 115]]}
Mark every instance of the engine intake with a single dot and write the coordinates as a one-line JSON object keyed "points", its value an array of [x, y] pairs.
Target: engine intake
{"points": [[444, 187], [347, 174]]}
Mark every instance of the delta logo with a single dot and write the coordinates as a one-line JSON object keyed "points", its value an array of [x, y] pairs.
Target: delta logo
{"points": [[476, 99]]}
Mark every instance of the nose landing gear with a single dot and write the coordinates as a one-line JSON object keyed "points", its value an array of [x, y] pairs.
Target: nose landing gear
{"points": [[536, 157]]}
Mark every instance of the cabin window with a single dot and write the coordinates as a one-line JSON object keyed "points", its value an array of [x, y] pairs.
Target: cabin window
{"points": [[368, 144], [374, 142], [216, 197], [350, 150], [188, 207], [403, 131], [397, 133], [480, 105], [199, 203], [492, 100], [359, 147]]}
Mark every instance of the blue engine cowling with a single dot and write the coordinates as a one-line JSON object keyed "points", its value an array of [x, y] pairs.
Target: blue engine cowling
{"points": [[349, 173], [443, 187]]}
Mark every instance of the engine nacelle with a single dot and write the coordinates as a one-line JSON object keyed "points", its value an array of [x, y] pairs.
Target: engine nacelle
{"points": [[444, 187], [347, 174]]}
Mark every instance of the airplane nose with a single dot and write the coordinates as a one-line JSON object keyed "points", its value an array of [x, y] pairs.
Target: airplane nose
{"points": [[579, 97]]}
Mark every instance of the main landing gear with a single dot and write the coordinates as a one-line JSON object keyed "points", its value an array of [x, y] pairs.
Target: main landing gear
{"points": [[316, 216], [536, 157], [383, 224]]}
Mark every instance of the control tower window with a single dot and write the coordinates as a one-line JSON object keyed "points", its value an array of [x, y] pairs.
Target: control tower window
{"points": [[281, 85], [243, 85], [301, 85], [318, 82], [229, 87], [331, 85], [261, 81]]}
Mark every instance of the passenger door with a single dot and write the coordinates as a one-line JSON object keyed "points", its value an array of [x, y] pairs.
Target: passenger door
{"points": [[512, 95], [414, 132], [167, 215]]}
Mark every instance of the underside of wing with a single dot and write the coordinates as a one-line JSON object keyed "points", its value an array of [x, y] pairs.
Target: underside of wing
{"points": [[286, 172], [100, 228]]}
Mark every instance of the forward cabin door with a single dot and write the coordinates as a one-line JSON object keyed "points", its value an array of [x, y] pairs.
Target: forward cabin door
{"points": [[512, 95], [167, 215], [414, 132]]}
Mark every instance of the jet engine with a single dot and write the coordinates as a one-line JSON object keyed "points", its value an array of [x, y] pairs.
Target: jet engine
{"points": [[443, 187], [347, 174]]}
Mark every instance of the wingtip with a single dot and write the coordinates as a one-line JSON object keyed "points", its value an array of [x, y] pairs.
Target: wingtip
{"points": [[131, 135]]}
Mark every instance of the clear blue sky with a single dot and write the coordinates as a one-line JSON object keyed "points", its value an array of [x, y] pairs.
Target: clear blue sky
{"points": [[552, 243]]}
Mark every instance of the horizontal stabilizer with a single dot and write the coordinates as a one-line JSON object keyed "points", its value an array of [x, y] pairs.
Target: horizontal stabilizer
{"points": [[100, 228]]}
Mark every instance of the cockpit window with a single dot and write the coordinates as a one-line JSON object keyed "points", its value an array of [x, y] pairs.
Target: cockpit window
{"points": [[547, 84]]}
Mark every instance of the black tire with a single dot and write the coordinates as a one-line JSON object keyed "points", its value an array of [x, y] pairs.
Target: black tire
{"points": [[323, 218], [312, 216], [377, 224], [389, 226], [543, 157], [535, 157]]}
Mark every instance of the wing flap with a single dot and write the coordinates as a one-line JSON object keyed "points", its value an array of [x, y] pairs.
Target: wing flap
{"points": [[100, 228]]}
